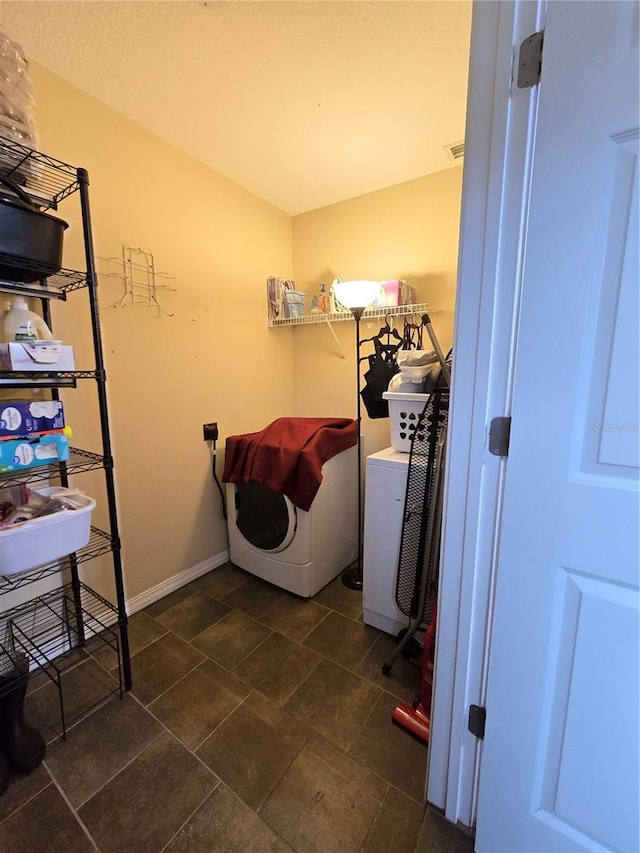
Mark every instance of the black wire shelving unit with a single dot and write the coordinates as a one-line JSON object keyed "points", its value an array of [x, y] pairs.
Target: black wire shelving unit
{"points": [[44, 629]]}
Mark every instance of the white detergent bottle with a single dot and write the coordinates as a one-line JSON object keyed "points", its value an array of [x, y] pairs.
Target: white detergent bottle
{"points": [[20, 324]]}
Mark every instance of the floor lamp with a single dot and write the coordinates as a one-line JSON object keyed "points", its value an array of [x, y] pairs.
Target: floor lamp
{"points": [[357, 296]]}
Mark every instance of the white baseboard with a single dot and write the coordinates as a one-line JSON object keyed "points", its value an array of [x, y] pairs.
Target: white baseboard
{"points": [[144, 599]]}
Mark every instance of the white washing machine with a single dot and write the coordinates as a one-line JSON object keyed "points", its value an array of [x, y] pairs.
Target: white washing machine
{"points": [[296, 550], [386, 485]]}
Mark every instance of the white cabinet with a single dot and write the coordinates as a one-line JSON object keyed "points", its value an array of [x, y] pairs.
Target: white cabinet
{"points": [[386, 482]]}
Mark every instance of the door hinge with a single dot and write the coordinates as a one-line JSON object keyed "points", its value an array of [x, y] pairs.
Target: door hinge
{"points": [[530, 61], [477, 719], [499, 433]]}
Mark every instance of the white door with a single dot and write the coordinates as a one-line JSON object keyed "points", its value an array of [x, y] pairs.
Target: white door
{"points": [[560, 757]]}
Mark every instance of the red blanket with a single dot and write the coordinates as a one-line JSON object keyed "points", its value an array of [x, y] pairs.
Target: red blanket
{"points": [[288, 455]]}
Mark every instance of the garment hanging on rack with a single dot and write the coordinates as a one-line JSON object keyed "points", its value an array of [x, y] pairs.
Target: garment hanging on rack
{"points": [[377, 378], [382, 368]]}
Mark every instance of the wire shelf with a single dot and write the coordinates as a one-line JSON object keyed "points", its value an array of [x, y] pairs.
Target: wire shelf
{"points": [[79, 461], [99, 543], [44, 378], [45, 179], [41, 632], [42, 626], [340, 316], [42, 283]]}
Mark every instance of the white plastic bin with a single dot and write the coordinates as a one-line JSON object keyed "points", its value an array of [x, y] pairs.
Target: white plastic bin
{"points": [[404, 410], [42, 540]]}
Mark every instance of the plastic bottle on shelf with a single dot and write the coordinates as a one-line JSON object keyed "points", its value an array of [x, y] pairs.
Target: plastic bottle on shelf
{"points": [[18, 323], [323, 304]]}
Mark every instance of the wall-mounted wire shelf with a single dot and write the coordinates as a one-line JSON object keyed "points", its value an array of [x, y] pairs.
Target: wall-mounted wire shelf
{"points": [[99, 543], [389, 314], [51, 625], [339, 316]]}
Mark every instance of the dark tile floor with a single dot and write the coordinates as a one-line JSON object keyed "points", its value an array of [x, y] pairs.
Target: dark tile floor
{"points": [[258, 721]]}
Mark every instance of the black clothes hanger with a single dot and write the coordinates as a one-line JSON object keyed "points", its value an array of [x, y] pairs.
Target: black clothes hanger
{"points": [[384, 335], [412, 335]]}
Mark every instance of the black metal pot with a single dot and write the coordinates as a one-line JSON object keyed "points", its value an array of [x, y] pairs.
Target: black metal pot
{"points": [[30, 240]]}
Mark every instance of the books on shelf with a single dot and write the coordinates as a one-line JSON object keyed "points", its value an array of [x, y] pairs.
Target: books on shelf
{"points": [[277, 304]]}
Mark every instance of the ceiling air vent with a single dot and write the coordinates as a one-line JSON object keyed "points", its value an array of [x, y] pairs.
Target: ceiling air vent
{"points": [[455, 150]]}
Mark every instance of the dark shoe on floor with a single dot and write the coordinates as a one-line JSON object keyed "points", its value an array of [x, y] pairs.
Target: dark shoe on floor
{"points": [[4, 773], [23, 747]]}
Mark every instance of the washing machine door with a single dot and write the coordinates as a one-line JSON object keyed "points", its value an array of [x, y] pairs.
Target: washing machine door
{"points": [[267, 520]]}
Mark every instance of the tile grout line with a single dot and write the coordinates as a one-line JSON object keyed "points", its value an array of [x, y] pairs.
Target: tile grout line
{"points": [[297, 687], [281, 777], [168, 731], [368, 651], [197, 809], [202, 742], [310, 632], [112, 777], [361, 729], [242, 660], [29, 799], [74, 812], [175, 737]]}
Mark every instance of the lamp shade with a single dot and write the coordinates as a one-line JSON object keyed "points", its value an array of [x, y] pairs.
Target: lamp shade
{"points": [[356, 294]]}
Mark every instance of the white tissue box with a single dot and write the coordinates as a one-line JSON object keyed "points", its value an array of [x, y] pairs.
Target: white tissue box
{"points": [[42, 356]]}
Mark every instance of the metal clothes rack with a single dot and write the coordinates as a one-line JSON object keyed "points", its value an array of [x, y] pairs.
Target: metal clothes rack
{"points": [[73, 615]]}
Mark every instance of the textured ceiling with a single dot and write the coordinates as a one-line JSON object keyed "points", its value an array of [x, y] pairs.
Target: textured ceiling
{"points": [[304, 103]]}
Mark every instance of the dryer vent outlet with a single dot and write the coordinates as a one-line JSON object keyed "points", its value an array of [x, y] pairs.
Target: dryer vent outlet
{"points": [[210, 431]]}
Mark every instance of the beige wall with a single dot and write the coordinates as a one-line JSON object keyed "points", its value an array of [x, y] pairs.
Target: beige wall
{"points": [[214, 359], [409, 231]]}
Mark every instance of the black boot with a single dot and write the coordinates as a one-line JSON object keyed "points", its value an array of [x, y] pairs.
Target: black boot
{"points": [[4, 773], [23, 747]]}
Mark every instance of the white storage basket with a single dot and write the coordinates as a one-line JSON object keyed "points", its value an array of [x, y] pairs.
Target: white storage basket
{"points": [[43, 540], [404, 410]]}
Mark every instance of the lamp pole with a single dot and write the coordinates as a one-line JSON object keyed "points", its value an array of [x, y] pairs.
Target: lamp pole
{"points": [[353, 577]]}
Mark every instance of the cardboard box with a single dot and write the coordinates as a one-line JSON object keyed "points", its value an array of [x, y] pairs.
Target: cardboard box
{"points": [[393, 293], [19, 418], [18, 454], [48, 356], [407, 294]]}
